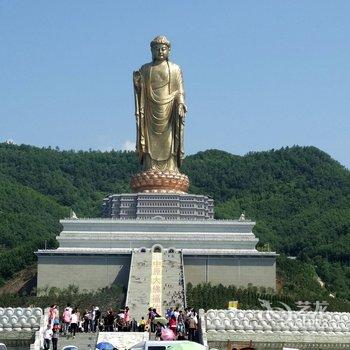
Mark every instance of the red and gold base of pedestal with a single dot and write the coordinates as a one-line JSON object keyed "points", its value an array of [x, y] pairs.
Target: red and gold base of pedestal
{"points": [[160, 182]]}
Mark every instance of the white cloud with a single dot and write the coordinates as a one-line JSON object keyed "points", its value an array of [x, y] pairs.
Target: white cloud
{"points": [[129, 146]]}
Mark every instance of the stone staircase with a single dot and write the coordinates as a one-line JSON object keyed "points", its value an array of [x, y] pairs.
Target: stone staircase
{"points": [[138, 295], [139, 289], [173, 281]]}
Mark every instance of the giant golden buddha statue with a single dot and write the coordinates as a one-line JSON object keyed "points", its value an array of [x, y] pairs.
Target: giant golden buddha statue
{"points": [[160, 114]]}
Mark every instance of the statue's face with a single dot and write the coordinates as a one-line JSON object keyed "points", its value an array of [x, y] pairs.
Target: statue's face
{"points": [[160, 52]]}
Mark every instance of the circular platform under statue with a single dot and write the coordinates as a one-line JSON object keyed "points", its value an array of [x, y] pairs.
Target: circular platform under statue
{"points": [[153, 181]]}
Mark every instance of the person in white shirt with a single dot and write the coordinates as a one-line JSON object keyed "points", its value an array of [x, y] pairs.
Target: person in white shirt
{"points": [[176, 313], [47, 337]]}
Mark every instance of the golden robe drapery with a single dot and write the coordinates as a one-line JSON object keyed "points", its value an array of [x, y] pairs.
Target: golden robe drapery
{"points": [[159, 128]]}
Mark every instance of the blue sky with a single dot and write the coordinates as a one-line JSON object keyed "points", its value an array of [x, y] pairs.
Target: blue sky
{"points": [[258, 74]]}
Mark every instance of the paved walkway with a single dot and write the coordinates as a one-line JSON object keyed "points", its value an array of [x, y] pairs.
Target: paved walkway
{"points": [[82, 341]]}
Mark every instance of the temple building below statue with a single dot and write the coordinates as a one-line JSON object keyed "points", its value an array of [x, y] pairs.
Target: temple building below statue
{"points": [[121, 251], [173, 206]]}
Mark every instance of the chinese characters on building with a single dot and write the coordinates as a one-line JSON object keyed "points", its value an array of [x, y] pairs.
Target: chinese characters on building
{"points": [[156, 282]]}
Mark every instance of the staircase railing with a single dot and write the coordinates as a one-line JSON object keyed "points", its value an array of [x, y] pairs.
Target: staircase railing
{"points": [[183, 279], [129, 281]]}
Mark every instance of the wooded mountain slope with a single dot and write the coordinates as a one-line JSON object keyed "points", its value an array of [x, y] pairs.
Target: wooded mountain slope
{"points": [[299, 196]]}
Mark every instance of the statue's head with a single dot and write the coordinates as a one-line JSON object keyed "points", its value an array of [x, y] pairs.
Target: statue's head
{"points": [[160, 47]]}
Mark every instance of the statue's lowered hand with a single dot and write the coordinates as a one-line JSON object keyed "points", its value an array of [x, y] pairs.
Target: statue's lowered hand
{"points": [[137, 79], [181, 110]]}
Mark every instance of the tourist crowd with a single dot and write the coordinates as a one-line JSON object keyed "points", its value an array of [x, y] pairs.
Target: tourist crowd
{"points": [[175, 324]]}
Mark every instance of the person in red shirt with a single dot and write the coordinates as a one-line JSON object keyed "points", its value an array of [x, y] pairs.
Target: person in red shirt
{"points": [[173, 323]]}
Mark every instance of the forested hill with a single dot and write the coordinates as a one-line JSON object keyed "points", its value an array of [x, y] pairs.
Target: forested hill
{"points": [[299, 196]]}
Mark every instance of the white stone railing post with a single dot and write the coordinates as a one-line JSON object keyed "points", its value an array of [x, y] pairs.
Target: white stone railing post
{"points": [[39, 334], [202, 329]]}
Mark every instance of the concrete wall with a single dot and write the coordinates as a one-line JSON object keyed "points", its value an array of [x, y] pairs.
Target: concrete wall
{"points": [[89, 272], [92, 272], [238, 270]]}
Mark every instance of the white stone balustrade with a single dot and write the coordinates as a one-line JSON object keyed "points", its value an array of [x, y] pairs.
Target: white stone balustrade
{"points": [[17, 319], [271, 321]]}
